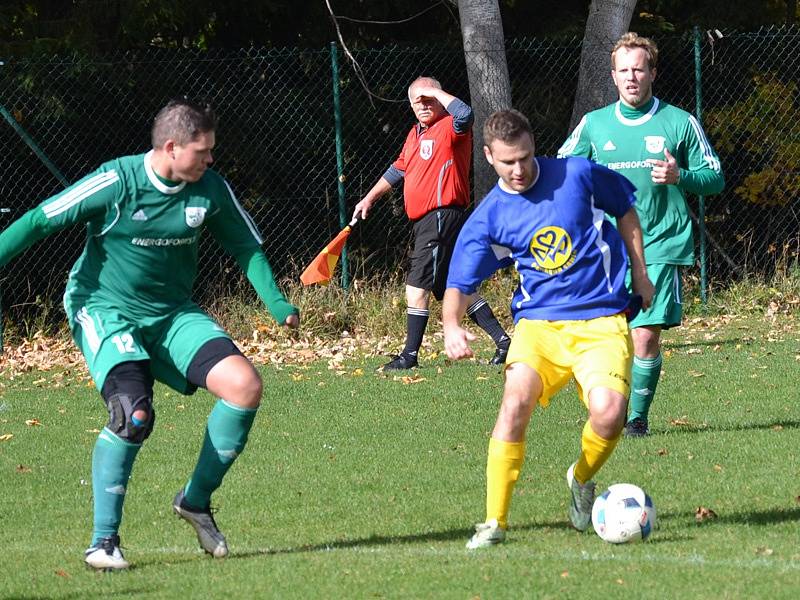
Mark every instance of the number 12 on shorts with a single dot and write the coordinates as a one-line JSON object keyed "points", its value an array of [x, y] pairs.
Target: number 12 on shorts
{"points": [[124, 343]]}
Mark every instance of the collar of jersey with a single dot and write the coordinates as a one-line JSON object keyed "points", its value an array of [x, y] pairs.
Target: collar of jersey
{"points": [[508, 190], [645, 113], [157, 182]]}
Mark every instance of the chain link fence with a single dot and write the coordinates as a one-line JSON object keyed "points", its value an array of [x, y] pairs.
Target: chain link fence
{"points": [[65, 115]]}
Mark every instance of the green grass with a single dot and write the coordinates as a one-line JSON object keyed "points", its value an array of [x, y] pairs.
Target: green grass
{"points": [[356, 485]]}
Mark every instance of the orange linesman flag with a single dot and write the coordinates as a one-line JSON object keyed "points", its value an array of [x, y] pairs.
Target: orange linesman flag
{"points": [[321, 268]]}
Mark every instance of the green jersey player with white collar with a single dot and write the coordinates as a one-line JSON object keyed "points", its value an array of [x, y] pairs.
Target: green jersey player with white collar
{"points": [[128, 303], [665, 153]]}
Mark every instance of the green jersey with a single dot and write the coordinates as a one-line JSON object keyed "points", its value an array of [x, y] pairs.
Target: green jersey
{"points": [[625, 140], [142, 237]]}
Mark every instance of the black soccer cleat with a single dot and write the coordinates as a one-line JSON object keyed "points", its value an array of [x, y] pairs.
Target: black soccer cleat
{"points": [[499, 357], [208, 534], [636, 427], [401, 362]]}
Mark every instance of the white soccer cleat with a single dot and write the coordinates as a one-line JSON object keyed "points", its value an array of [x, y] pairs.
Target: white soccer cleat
{"points": [[486, 534], [105, 555], [208, 534], [581, 501]]}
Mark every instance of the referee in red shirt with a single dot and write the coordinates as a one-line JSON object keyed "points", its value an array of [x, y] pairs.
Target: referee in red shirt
{"points": [[434, 166]]}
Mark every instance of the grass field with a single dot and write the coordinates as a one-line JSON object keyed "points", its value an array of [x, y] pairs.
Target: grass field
{"points": [[356, 485]]}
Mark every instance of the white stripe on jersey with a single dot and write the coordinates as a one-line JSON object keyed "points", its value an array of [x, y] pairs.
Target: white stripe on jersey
{"points": [[89, 330], [598, 217], [708, 153], [572, 141], [80, 193], [248, 221]]}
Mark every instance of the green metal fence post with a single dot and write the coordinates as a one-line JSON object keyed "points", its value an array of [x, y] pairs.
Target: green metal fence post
{"points": [[698, 96], [337, 119], [33, 146]]}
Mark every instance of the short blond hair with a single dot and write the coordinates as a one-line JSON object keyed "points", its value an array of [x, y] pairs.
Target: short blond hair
{"points": [[633, 40]]}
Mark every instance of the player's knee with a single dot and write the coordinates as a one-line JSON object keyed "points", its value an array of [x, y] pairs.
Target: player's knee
{"points": [[129, 417], [128, 394]]}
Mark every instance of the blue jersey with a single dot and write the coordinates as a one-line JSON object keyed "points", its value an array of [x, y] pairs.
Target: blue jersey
{"points": [[570, 259]]}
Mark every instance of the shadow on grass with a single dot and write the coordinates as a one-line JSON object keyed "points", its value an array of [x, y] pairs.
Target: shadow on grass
{"points": [[705, 427], [675, 345]]}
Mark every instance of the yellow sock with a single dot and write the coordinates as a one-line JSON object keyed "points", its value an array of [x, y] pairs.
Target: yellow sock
{"points": [[502, 471], [595, 450]]}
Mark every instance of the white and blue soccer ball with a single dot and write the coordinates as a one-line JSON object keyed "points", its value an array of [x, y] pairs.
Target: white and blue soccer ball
{"points": [[623, 513]]}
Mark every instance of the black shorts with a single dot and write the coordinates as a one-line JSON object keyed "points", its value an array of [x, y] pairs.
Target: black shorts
{"points": [[435, 237]]}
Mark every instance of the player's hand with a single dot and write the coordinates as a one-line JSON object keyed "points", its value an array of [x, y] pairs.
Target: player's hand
{"points": [[292, 321], [456, 342], [644, 287], [362, 208], [665, 171], [426, 92]]}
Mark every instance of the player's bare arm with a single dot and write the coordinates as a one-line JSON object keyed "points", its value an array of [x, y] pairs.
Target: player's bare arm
{"points": [[631, 232], [365, 204], [665, 172], [456, 338]]}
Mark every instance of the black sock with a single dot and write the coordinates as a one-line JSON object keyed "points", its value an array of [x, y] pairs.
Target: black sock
{"points": [[481, 314], [417, 321]]}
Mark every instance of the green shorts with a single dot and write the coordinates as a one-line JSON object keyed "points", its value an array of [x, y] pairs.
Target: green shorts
{"points": [[667, 307], [107, 337]]}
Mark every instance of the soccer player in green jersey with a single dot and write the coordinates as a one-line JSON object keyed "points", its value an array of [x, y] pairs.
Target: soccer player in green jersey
{"points": [[664, 152], [128, 303]]}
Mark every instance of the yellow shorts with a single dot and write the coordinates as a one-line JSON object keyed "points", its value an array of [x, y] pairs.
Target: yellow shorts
{"points": [[597, 352]]}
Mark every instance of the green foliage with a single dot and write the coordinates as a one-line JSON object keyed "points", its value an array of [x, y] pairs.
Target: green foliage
{"points": [[766, 125]]}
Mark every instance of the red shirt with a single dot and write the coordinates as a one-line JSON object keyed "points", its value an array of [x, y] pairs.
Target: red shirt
{"points": [[436, 163]]}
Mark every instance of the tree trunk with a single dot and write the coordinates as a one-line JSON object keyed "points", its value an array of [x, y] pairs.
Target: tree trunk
{"points": [[608, 20], [791, 12], [487, 71]]}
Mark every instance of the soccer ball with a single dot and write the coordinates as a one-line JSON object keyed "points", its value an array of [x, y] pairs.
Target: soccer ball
{"points": [[623, 513]]}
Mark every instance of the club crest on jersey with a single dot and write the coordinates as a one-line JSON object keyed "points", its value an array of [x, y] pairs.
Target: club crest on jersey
{"points": [[195, 215], [426, 149], [551, 248], [654, 143]]}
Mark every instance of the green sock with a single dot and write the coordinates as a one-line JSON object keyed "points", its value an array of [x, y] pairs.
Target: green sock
{"points": [[646, 372], [226, 436], [112, 462]]}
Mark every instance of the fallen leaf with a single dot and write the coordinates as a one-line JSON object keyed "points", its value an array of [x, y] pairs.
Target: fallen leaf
{"points": [[696, 374], [777, 428], [564, 574], [704, 514], [481, 378], [718, 468], [662, 452], [407, 379], [6, 436], [764, 551], [23, 469], [62, 573], [358, 372], [33, 422]]}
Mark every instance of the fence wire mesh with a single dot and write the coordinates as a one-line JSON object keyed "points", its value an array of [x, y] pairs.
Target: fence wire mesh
{"points": [[276, 141]]}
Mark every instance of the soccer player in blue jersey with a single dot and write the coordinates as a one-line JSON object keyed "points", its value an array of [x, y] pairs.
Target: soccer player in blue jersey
{"points": [[664, 152], [547, 217], [128, 302]]}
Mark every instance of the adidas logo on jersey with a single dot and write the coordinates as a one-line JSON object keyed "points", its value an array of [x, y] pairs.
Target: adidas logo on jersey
{"points": [[139, 216], [609, 146]]}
